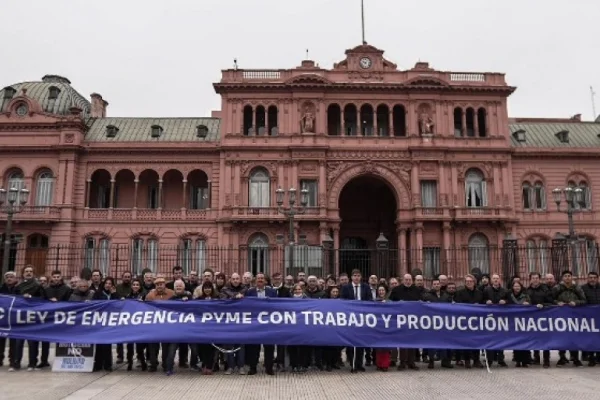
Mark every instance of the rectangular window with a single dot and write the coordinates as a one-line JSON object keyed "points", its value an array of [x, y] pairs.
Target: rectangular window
{"points": [[152, 197], [531, 256], [312, 186], [526, 197], [200, 256], [103, 199], [104, 256], [44, 192], [476, 194], [429, 194], [136, 255], [89, 253], [185, 256], [540, 197], [431, 261], [199, 199], [258, 259], [306, 258], [152, 255], [259, 194]]}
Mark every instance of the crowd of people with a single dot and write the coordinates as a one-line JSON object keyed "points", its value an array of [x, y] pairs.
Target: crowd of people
{"points": [[244, 359]]}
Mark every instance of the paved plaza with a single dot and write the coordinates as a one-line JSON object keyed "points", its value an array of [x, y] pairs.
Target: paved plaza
{"points": [[535, 383]]}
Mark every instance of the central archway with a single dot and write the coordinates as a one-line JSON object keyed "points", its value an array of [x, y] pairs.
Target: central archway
{"points": [[368, 208]]}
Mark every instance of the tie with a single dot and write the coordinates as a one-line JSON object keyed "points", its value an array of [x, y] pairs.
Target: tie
{"points": [[356, 292]]}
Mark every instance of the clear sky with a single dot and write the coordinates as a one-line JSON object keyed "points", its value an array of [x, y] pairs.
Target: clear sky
{"points": [[159, 58]]}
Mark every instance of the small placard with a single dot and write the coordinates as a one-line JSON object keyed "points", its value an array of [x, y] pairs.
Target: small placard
{"points": [[73, 357]]}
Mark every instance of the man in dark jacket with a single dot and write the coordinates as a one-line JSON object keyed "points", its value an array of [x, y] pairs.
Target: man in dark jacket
{"points": [[436, 295], [15, 346], [494, 293], [356, 290], [469, 295], [30, 287], [568, 293], [406, 292], [57, 290], [539, 294], [261, 291], [592, 294]]}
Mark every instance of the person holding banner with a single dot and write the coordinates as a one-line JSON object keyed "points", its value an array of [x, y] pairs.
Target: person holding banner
{"points": [[436, 295], [103, 357], [494, 293], [541, 296], [356, 290], [519, 297], [15, 346], [568, 293], [137, 293], [469, 295], [298, 354], [261, 291]]}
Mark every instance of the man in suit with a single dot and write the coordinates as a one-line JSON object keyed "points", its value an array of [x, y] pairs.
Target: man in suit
{"points": [[356, 290], [282, 291], [262, 291]]}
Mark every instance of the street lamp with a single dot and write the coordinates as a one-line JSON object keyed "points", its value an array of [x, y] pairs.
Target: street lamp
{"points": [[291, 211], [573, 197], [11, 203]]}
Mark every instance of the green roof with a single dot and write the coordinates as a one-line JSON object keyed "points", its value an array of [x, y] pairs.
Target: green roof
{"points": [[140, 129], [40, 91], [543, 134]]}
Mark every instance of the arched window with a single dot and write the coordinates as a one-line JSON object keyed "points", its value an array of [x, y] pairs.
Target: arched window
{"points": [[258, 254], [534, 196], [44, 189], [458, 123], [586, 193], [261, 121], [334, 120], [97, 254], [475, 189], [259, 189], [482, 122], [538, 255], [479, 253], [16, 180], [272, 121], [470, 122], [248, 123], [144, 254]]}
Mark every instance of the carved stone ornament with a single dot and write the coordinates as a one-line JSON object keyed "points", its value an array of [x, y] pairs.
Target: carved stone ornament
{"points": [[307, 122], [426, 124]]}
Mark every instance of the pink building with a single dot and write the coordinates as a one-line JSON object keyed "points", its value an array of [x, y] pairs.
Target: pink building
{"points": [[404, 169]]}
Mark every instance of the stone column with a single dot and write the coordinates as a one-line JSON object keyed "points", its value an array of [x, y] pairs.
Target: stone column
{"points": [[88, 189], [136, 183], [402, 267], [112, 194], [209, 194], [416, 190], [183, 195], [463, 116], [342, 123], [447, 250], [419, 240], [391, 122], [160, 191]]}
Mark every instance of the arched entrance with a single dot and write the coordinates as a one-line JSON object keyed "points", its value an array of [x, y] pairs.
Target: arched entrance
{"points": [[368, 208]]}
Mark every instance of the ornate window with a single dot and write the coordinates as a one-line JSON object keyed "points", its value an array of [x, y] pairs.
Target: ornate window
{"points": [[479, 253], [258, 254], [16, 180], [156, 131], [259, 189], [312, 185], [429, 194], [44, 189], [534, 196], [538, 255], [192, 255], [475, 189], [53, 92], [586, 192], [431, 261]]}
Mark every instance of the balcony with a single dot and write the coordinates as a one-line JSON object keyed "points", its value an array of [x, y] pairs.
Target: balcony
{"points": [[144, 214], [429, 213], [269, 213], [35, 213], [479, 213]]}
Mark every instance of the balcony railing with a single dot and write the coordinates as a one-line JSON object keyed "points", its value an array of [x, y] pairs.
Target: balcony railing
{"points": [[147, 214], [478, 212], [429, 212], [32, 213], [262, 212]]}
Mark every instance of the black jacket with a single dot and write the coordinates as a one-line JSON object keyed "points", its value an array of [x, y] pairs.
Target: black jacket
{"points": [[31, 287], [283, 291], [592, 293], [101, 295], [432, 297], [60, 292], [11, 290], [540, 295], [494, 294], [314, 294], [405, 293], [467, 296]]}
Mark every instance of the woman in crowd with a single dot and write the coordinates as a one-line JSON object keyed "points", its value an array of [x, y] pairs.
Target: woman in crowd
{"points": [[206, 351], [220, 281], [382, 356], [298, 353], [103, 358], [332, 355], [518, 296], [137, 293]]}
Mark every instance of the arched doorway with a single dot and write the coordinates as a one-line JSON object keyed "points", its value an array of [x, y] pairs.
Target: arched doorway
{"points": [[368, 209]]}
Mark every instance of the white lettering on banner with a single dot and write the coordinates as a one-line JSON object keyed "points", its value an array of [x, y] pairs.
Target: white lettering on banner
{"points": [[277, 318], [91, 318], [556, 325], [31, 317], [1, 313], [61, 317]]}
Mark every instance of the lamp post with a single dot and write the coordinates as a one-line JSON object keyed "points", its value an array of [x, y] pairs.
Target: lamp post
{"points": [[290, 212], [11, 201], [573, 197]]}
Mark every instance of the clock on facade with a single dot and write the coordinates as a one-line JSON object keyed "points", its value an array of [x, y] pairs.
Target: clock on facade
{"points": [[22, 110], [365, 62]]}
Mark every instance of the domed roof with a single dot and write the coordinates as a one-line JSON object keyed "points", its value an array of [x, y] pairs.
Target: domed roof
{"points": [[54, 93]]}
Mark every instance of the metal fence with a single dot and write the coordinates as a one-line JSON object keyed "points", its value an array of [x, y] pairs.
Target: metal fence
{"points": [[508, 261]]}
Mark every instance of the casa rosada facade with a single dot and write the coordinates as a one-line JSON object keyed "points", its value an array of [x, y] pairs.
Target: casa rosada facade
{"points": [[404, 169]]}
